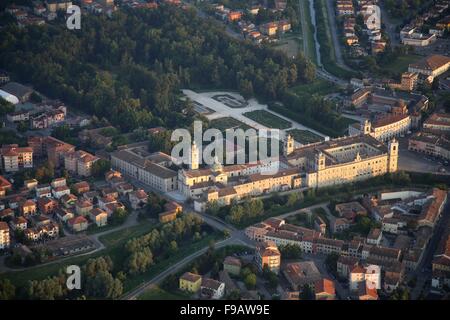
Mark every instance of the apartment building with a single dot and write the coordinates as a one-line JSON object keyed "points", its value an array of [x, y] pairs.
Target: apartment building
{"points": [[431, 144], [50, 148], [267, 254], [149, 168], [15, 157], [79, 162], [4, 235], [438, 123]]}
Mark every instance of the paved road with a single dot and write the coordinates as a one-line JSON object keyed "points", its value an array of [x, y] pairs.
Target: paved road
{"points": [[304, 22], [334, 35], [130, 222], [390, 26], [134, 294], [425, 275]]}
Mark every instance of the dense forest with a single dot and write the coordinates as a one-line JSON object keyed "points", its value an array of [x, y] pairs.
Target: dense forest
{"points": [[406, 8], [130, 68]]}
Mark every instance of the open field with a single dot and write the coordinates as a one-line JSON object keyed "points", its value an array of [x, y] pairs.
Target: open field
{"points": [[305, 136], [158, 293], [228, 123], [309, 49], [319, 87], [114, 243], [400, 64], [268, 119], [290, 44]]}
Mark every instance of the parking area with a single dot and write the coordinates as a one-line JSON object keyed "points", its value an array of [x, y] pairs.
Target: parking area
{"points": [[417, 162]]}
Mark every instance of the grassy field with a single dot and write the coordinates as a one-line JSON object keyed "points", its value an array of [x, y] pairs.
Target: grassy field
{"points": [[114, 243], [307, 28], [319, 87], [400, 64], [305, 136], [228, 123], [158, 293], [291, 44], [268, 119]]}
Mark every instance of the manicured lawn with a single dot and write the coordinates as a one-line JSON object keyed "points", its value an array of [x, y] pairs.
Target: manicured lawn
{"points": [[158, 293], [228, 123], [305, 136], [268, 119]]}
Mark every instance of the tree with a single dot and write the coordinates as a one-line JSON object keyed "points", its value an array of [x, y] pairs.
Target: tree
{"points": [[250, 281], [119, 216], [5, 107], [140, 261], [7, 290], [307, 293], [331, 262], [100, 167], [290, 251]]}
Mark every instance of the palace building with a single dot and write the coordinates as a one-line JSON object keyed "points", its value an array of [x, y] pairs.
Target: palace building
{"points": [[322, 164]]}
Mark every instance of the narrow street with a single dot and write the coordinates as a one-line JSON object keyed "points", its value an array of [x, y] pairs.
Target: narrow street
{"points": [[334, 35]]}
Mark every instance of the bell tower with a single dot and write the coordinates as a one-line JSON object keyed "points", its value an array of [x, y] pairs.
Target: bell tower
{"points": [[393, 155], [194, 163], [288, 145], [366, 127], [320, 161]]}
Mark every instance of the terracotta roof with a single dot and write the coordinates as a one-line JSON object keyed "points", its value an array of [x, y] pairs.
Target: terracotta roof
{"points": [[191, 277], [3, 226], [431, 62], [324, 286], [77, 220], [232, 261], [97, 211]]}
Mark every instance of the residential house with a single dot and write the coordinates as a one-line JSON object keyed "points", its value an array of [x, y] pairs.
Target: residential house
{"points": [[58, 182], [59, 192], [190, 282], [46, 205], [299, 274], [374, 236], [78, 224], [30, 184], [27, 207], [138, 199], [64, 215], [18, 223], [212, 289], [83, 207], [81, 187], [232, 265], [43, 190], [5, 186], [172, 209], [99, 216], [68, 200]]}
